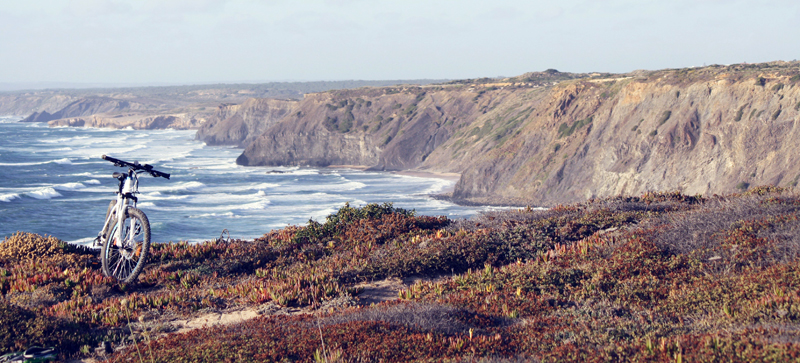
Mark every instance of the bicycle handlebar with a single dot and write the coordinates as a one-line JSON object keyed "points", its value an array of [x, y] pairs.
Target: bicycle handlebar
{"points": [[136, 166]]}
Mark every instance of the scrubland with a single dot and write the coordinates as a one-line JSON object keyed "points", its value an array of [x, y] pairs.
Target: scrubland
{"points": [[661, 277]]}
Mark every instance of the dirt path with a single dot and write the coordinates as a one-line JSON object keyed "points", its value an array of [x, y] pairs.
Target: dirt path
{"points": [[160, 326]]}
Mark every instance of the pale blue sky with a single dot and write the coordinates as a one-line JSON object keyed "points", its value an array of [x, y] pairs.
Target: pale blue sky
{"points": [[199, 41]]}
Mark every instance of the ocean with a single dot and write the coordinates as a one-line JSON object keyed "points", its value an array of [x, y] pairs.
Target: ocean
{"points": [[53, 182]]}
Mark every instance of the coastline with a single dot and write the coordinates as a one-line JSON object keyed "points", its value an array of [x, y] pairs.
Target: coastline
{"points": [[451, 177]]}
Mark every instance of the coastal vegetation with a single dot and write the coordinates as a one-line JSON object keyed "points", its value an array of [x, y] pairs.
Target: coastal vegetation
{"points": [[661, 277]]}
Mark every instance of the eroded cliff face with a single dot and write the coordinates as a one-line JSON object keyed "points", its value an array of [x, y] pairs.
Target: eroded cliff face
{"points": [[384, 128], [701, 130], [240, 124]]}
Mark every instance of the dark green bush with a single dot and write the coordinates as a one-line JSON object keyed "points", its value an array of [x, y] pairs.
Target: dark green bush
{"points": [[739, 114], [742, 185], [564, 130], [335, 223], [776, 114], [664, 117]]}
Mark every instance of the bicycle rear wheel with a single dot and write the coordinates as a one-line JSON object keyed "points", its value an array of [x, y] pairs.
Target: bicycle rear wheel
{"points": [[124, 254]]}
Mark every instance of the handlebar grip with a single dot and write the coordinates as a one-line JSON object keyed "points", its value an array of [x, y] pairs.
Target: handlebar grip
{"points": [[157, 173]]}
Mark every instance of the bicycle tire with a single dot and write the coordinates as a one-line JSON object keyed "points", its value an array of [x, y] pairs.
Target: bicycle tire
{"points": [[110, 210], [125, 259]]}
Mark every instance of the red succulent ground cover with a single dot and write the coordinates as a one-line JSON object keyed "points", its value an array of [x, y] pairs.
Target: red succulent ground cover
{"points": [[663, 277]]}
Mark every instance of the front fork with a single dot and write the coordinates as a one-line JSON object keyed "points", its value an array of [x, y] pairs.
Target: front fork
{"points": [[119, 208]]}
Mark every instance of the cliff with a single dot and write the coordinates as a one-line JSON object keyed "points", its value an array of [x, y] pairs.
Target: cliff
{"points": [[240, 124], [385, 128], [86, 107], [699, 130]]}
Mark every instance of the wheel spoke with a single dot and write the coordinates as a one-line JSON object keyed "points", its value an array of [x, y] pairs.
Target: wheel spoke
{"points": [[124, 260]]}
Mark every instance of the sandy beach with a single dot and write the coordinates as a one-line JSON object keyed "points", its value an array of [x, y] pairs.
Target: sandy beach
{"points": [[454, 177]]}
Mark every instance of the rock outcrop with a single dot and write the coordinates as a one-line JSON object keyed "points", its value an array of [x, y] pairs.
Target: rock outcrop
{"points": [[240, 124], [182, 121], [87, 106], [700, 130]]}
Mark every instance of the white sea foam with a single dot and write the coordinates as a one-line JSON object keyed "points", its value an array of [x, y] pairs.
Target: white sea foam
{"points": [[439, 185], [69, 186], [58, 161], [10, 119], [43, 193], [313, 197], [146, 205], [63, 140], [220, 198], [253, 206], [215, 215], [92, 181], [242, 188], [326, 187], [8, 197], [159, 196], [86, 241], [177, 187]]}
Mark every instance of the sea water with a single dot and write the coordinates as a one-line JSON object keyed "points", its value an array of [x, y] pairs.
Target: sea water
{"points": [[53, 181]]}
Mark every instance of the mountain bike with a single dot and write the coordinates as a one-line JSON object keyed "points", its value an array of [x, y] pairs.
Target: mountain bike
{"points": [[125, 238]]}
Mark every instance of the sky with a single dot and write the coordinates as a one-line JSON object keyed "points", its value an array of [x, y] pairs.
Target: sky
{"points": [[211, 41]]}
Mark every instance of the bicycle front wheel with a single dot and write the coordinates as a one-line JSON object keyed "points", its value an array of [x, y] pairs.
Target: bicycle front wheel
{"points": [[125, 253]]}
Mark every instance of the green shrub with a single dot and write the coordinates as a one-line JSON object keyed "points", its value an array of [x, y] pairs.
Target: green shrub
{"points": [[776, 114], [565, 130], [739, 114], [345, 215], [777, 87], [760, 81], [654, 133], [664, 117], [556, 147], [742, 186], [410, 109]]}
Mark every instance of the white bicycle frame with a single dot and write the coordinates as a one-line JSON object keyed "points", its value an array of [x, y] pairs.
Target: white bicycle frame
{"points": [[129, 187]]}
